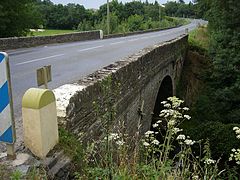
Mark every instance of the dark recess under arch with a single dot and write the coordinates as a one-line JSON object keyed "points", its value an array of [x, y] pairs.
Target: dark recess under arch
{"points": [[165, 91]]}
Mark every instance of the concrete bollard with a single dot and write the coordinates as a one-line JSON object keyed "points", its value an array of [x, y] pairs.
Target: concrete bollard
{"points": [[39, 121], [101, 34]]}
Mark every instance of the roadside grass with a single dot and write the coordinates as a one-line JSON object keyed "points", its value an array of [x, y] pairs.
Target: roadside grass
{"points": [[199, 39], [50, 32]]}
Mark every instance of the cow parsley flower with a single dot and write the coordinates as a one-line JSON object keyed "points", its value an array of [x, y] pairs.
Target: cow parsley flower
{"points": [[146, 144], [159, 121], [181, 137], [176, 130], [148, 133], [189, 142], [120, 142], [187, 117], [156, 142], [235, 128], [164, 102], [209, 161]]}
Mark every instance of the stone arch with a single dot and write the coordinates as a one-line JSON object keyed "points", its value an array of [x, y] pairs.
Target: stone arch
{"points": [[166, 90]]}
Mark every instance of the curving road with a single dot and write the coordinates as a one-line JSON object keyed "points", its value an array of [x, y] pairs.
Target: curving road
{"points": [[72, 61]]}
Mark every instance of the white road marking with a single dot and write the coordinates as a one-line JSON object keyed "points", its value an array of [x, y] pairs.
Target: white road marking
{"points": [[119, 42], [40, 59], [131, 40], [143, 37], [87, 49]]}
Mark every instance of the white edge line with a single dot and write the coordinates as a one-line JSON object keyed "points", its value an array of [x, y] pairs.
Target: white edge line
{"points": [[35, 60], [131, 40], [120, 42], [87, 49]]}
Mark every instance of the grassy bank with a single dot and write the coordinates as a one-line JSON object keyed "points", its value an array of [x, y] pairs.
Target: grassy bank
{"points": [[50, 32], [199, 39]]}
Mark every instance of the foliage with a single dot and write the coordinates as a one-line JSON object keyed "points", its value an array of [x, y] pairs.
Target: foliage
{"points": [[16, 175], [132, 16], [17, 17], [199, 39], [220, 136], [224, 77], [180, 9], [217, 108], [236, 152], [112, 157]]}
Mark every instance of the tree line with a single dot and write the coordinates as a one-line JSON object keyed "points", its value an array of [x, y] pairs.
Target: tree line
{"points": [[18, 16]]}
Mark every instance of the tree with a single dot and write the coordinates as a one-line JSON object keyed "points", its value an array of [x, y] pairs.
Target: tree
{"points": [[135, 22], [17, 17]]}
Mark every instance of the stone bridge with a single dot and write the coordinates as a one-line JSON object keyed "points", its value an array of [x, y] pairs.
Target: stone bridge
{"points": [[132, 88]]}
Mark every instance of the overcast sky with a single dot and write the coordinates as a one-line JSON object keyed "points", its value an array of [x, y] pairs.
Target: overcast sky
{"points": [[96, 3]]}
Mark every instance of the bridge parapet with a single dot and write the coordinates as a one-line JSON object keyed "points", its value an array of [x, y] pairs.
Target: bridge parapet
{"points": [[139, 77]]}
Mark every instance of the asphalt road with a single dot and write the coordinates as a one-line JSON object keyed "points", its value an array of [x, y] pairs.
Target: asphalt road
{"points": [[72, 61]]}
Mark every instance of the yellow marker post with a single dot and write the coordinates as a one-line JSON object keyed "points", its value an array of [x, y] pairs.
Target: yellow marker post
{"points": [[39, 121]]}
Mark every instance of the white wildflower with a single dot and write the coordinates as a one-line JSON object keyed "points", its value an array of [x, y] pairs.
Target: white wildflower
{"points": [[189, 142], [120, 142], [235, 128], [149, 132], [176, 130], [186, 109], [238, 136], [161, 115], [187, 117], [159, 121], [164, 102], [209, 161], [113, 136], [166, 115], [155, 125], [181, 137], [171, 123], [195, 177], [237, 131], [156, 142], [167, 105], [146, 144]]}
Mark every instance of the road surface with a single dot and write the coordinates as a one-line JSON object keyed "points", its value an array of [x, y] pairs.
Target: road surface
{"points": [[74, 60]]}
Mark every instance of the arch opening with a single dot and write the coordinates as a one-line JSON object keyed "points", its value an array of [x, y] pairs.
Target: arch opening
{"points": [[165, 91]]}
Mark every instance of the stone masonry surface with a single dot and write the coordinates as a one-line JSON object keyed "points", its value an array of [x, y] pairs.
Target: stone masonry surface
{"points": [[24, 42], [139, 77]]}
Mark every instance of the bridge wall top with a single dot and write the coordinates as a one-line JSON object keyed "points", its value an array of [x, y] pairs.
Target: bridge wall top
{"points": [[25, 42], [124, 85]]}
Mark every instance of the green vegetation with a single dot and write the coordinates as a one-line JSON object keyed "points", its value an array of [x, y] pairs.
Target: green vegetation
{"points": [[199, 39], [50, 32], [159, 154], [18, 17], [216, 111]]}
